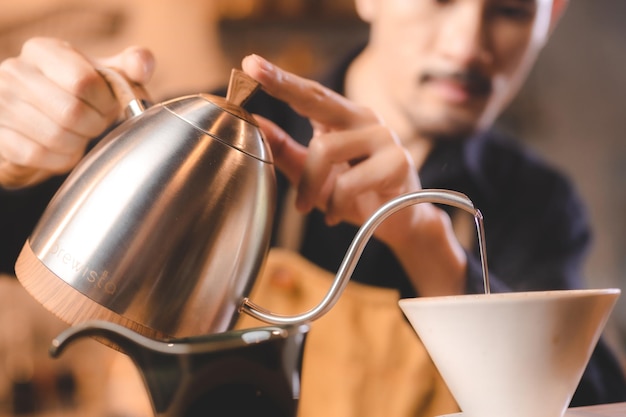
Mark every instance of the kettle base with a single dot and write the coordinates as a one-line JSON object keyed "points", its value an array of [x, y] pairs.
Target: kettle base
{"points": [[65, 302]]}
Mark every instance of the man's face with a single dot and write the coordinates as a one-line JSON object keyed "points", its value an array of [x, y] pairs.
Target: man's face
{"points": [[450, 66]]}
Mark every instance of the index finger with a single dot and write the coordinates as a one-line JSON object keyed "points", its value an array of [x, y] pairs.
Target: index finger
{"points": [[307, 97]]}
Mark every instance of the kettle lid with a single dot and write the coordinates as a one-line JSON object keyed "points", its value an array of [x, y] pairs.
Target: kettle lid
{"points": [[224, 118]]}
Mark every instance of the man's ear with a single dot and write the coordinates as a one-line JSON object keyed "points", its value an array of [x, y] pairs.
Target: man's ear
{"points": [[558, 8], [366, 9]]}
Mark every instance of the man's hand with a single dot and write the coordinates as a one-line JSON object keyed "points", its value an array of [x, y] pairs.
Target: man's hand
{"points": [[352, 166], [52, 103]]}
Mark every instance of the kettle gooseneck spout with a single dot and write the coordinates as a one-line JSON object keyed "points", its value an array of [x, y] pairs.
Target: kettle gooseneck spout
{"points": [[357, 246]]}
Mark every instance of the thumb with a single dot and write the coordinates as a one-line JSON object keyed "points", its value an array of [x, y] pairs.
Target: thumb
{"points": [[134, 62]]}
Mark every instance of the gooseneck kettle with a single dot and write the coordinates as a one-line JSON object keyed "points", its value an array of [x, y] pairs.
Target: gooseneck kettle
{"points": [[164, 226]]}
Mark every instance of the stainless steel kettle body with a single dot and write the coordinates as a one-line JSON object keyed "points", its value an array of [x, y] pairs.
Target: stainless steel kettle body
{"points": [[164, 224]]}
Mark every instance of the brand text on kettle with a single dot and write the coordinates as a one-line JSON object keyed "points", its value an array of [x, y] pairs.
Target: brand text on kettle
{"points": [[98, 279]]}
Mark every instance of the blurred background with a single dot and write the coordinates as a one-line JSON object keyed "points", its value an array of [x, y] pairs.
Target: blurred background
{"points": [[571, 111]]}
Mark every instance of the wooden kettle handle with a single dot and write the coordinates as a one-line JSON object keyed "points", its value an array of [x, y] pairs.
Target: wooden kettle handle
{"points": [[132, 96]]}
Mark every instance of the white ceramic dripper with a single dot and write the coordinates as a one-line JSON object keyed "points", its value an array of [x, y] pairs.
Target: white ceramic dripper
{"points": [[512, 354]]}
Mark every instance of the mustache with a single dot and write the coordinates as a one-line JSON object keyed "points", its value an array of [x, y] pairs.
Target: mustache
{"points": [[475, 81]]}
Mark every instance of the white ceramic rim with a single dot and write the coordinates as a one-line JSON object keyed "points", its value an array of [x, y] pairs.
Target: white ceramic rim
{"points": [[508, 296]]}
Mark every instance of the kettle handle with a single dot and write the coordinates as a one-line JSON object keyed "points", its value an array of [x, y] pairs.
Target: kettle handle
{"points": [[349, 262], [132, 96]]}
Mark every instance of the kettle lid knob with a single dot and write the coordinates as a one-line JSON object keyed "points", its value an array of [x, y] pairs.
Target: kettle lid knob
{"points": [[240, 87]]}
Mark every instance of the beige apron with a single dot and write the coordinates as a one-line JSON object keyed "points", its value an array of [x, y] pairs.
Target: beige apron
{"points": [[362, 358]]}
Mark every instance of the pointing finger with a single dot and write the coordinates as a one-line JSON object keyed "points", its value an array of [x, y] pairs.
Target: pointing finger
{"points": [[308, 98]]}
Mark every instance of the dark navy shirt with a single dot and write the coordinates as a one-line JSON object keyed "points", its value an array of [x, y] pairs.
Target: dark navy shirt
{"points": [[537, 231]]}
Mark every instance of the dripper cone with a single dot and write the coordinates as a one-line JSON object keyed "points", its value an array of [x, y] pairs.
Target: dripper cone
{"points": [[512, 354]]}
